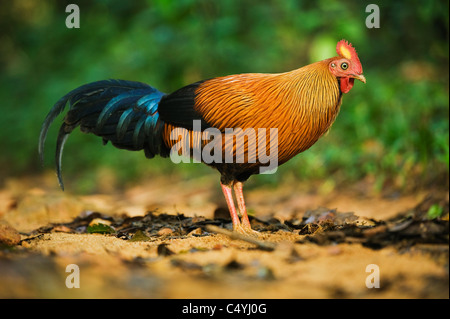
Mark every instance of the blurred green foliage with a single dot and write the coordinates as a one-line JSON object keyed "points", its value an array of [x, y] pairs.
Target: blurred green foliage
{"points": [[394, 129], [435, 211]]}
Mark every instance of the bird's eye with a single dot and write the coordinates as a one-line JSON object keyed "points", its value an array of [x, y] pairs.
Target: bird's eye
{"points": [[344, 66]]}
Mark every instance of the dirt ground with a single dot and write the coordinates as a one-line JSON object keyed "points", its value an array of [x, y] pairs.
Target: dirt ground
{"points": [[163, 239]]}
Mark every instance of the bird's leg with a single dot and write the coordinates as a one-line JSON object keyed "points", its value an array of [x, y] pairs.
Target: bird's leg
{"points": [[241, 204], [230, 202]]}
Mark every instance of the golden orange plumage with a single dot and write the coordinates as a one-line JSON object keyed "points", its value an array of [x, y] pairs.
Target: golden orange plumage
{"points": [[300, 105]]}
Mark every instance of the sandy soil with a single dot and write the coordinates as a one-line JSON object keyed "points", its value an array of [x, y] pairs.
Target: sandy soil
{"points": [[204, 264]]}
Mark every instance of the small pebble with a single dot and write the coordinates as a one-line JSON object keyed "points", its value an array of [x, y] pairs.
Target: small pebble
{"points": [[8, 235], [196, 232], [265, 273], [165, 231], [62, 229], [96, 221], [163, 250]]}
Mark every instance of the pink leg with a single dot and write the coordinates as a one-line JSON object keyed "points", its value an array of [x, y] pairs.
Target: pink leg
{"points": [[241, 204], [230, 202]]}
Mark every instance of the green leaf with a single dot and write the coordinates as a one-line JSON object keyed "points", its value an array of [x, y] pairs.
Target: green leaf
{"points": [[434, 211], [100, 229], [140, 236]]}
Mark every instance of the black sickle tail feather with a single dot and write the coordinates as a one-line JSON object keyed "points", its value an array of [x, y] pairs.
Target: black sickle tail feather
{"points": [[123, 112]]}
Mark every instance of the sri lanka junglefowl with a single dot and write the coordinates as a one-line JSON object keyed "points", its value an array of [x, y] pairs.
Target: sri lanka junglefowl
{"points": [[273, 116]]}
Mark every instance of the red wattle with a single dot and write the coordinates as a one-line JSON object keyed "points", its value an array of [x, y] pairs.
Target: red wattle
{"points": [[347, 84]]}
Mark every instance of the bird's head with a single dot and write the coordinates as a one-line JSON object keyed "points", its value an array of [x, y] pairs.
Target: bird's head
{"points": [[346, 66]]}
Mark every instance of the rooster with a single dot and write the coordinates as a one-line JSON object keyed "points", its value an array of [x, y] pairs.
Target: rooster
{"points": [[301, 105]]}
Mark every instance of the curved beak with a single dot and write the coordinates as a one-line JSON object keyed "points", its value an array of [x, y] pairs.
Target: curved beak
{"points": [[360, 77]]}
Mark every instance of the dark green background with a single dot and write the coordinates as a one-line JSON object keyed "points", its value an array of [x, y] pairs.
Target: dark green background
{"points": [[394, 130]]}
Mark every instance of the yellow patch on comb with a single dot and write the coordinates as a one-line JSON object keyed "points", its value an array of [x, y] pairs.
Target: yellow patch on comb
{"points": [[345, 52]]}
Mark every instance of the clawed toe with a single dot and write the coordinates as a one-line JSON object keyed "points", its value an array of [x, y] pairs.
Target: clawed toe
{"points": [[246, 230]]}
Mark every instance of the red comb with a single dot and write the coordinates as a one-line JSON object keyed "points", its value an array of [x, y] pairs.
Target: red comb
{"points": [[346, 50]]}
